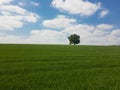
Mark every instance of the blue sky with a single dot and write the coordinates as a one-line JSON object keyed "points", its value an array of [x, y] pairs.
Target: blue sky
{"points": [[52, 21]]}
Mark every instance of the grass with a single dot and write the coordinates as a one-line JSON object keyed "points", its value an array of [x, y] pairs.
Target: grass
{"points": [[59, 67]]}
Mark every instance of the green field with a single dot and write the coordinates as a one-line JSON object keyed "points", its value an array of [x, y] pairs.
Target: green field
{"points": [[59, 67]]}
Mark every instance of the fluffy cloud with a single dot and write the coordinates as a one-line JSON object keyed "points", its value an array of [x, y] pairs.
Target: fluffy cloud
{"points": [[36, 37], [21, 3], [35, 4], [5, 38], [104, 13], [13, 16], [102, 34], [12, 22], [59, 22], [48, 37], [104, 27], [116, 33], [80, 29], [90, 35], [95, 36], [5, 2], [81, 7]]}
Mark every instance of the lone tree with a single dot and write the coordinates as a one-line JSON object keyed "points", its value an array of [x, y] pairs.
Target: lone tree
{"points": [[74, 39]]}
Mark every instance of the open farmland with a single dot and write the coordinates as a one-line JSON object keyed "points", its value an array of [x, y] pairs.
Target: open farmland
{"points": [[59, 67]]}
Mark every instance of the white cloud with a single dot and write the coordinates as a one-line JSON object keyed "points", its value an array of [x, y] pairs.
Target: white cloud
{"points": [[102, 34], [81, 29], [13, 9], [59, 22], [13, 16], [5, 38], [12, 22], [116, 33], [36, 37], [103, 13], [104, 27], [48, 37], [35, 4], [81, 7], [5, 2], [90, 35], [21, 3]]}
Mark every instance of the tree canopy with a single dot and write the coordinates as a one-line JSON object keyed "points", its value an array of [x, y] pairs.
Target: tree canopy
{"points": [[74, 39]]}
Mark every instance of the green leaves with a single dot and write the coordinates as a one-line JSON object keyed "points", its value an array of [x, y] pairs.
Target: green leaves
{"points": [[74, 39]]}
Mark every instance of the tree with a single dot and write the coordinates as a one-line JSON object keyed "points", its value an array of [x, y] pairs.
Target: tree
{"points": [[74, 39]]}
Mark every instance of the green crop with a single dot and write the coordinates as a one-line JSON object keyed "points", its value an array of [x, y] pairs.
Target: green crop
{"points": [[59, 67]]}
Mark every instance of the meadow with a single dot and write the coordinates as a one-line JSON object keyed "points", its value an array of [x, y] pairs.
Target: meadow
{"points": [[59, 67]]}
